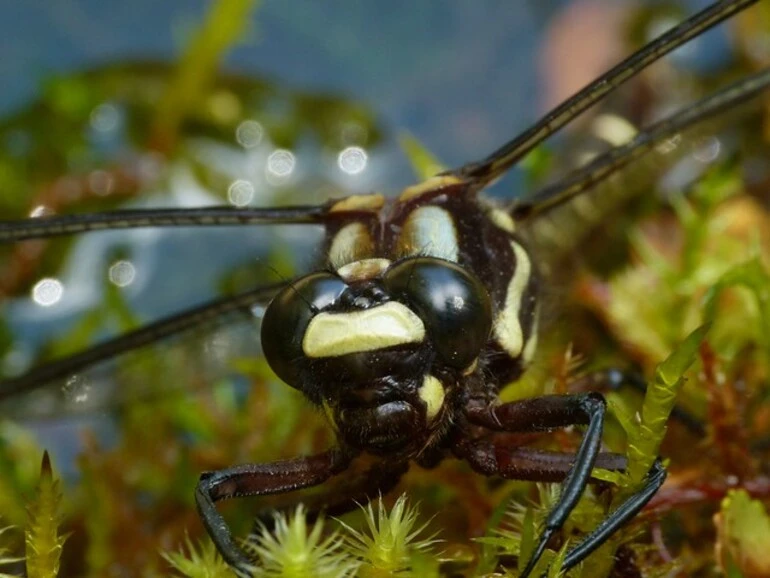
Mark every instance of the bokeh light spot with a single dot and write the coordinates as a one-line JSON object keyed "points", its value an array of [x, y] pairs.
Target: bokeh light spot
{"points": [[249, 134], [122, 273], [104, 118], [240, 193], [47, 292], [352, 160], [281, 163]]}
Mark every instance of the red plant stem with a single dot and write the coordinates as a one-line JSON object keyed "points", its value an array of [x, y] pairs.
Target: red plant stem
{"points": [[673, 496]]}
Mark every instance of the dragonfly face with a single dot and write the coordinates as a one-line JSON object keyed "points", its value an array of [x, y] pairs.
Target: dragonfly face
{"points": [[425, 307], [400, 334]]}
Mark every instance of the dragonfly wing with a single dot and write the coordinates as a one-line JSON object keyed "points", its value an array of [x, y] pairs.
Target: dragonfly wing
{"points": [[558, 215], [190, 349]]}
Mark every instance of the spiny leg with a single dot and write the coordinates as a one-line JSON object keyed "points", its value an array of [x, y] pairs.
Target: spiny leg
{"points": [[146, 335], [490, 459], [496, 458], [587, 177], [259, 480], [379, 479], [544, 413], [618, 517]]}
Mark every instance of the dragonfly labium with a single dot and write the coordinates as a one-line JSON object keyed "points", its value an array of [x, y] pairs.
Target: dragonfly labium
{"points": [[423, 307]]}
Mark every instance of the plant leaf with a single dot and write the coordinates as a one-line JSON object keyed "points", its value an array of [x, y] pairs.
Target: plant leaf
{"points": [[743, 536], [644, 440], [752, 275], [424, 164], [43, 541]]}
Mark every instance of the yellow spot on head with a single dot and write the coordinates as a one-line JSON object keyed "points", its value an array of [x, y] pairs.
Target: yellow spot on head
{"points": [[472, 367], [432, 393], [364, 269]]}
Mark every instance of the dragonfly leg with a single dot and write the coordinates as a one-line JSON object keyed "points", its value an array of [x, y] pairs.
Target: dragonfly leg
{"points": [[618, 517], [259, 480], [377, 480], [574, 471], [543, 413], [498, 459]]}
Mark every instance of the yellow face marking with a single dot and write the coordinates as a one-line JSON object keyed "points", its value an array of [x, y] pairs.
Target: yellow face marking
{"points": [[502, 220], [351, 243], [432, 393], [359, 203], [507, 328], [364, 269], [428, 186], [334, 334], [429, 231]]}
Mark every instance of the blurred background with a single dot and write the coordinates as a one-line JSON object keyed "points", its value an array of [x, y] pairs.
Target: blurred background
{"points": [[189, 103], [246, 102]]}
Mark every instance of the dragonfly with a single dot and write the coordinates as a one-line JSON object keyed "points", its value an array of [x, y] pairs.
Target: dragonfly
{"points": [[426, 306]]}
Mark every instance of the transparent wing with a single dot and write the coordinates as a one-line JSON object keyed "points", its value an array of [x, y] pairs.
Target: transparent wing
{"points": [[44, 227], [190, 349], [725, 102], [497, 163], [225, 323], [559, 214]]}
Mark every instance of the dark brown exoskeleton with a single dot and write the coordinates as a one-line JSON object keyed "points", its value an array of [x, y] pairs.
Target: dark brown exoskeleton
{"points": [[405, 340], [427, 306]]}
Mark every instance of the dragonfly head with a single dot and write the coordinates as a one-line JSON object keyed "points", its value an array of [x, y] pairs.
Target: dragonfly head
{"points": [[378, 344]]}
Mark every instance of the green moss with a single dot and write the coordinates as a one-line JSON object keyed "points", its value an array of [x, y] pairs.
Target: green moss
{"points": [[743, 536], [43, 538], [199, 561], [190, 88], [392, 540], [698, 267], [6, 550], [646, 435], [293, 551], [391, 545]]}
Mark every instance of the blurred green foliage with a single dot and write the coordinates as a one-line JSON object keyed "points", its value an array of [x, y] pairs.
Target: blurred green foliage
{"points": [[703, 259]]}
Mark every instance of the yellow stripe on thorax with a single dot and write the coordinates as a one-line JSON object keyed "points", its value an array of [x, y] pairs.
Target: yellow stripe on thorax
{"points": [[507, 326]]}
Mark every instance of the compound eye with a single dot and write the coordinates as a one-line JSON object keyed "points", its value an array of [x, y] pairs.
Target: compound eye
{"points": [[452, 302], [288, 316]]}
